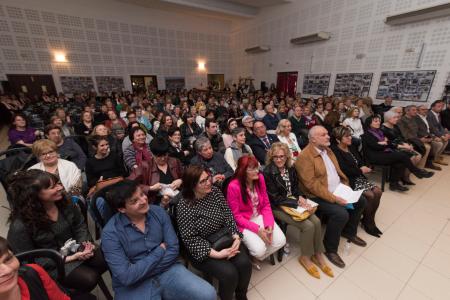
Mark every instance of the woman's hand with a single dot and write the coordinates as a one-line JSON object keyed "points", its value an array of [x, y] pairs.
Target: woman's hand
{"points": [[263, 234], [365, 169], [165, 200], [302, 201], [175, 185], [155, 187]]}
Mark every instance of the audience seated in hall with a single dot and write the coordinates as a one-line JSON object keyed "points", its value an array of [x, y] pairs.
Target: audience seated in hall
{"points": [[156, 149]]}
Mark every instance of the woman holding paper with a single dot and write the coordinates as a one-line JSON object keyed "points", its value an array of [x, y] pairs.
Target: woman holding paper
{"points": [[158, 172], [351, 164], [282, 188]]}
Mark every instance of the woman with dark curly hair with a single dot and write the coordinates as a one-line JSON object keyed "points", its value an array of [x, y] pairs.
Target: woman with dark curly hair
{"points": [[42, 217]]}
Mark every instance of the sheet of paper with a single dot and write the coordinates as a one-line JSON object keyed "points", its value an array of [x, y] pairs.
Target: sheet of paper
{"points": [[347, 193], [302, 210]]}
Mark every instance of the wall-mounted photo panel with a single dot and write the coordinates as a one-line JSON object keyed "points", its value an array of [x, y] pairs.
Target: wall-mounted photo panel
{"points": [[110, 84], [77, 84], [352, 84], [174, 84], [406, 85], [316, 84]]}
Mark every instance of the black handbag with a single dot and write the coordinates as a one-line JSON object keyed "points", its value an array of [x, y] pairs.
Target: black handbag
{"points": [[221, 239]]}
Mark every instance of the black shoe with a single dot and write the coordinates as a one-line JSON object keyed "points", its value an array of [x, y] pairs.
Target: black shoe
{"points": [[371, 230], [355, 240], [397, 187], [431, 166], [378, 230], [407, 182], [335, 259], [421, 173]]}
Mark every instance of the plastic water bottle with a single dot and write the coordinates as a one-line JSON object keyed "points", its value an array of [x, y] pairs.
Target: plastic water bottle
{"points": [[347, 247]]}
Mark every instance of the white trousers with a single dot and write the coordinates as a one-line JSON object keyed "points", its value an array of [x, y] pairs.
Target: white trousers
{"points": [[256, 245]]}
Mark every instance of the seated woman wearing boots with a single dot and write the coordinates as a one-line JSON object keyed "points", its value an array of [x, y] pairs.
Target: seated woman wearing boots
{"points": [[351, 164], [393, 134], [282, 188], [379, 150], [248, 200], [42, 217]]}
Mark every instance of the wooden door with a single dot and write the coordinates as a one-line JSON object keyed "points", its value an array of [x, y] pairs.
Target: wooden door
{"points": [[287, 83], [31, 85]]}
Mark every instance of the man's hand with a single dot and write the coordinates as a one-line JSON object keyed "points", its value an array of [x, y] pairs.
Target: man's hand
{"points": [[341, 201]]}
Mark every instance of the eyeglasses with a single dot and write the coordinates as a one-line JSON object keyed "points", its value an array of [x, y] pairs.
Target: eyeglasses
{"points": [[49, 154], [253, 170], [279, 157], [205, 181]]}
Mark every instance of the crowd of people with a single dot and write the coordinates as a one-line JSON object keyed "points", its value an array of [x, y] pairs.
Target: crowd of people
{"points": [[213, 177]]}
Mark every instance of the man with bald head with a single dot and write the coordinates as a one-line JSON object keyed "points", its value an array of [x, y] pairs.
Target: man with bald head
{"points": [[319, 175]]}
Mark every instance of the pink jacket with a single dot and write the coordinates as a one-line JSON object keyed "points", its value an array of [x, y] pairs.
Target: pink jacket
{"points": [[243, 212]]}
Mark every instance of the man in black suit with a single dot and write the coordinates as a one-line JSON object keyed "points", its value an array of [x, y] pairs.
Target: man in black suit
{"points": [[260, 142]]}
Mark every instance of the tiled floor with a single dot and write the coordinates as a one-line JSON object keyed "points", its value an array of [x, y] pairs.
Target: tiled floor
{"points": [[410, 261]]}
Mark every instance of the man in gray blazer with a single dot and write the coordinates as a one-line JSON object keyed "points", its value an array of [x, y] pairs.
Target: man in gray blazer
{"points": [[437, 131]]}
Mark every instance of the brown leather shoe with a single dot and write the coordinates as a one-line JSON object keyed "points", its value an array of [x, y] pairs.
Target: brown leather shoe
{"points": [[335, 259], [356, 240], [431, 166], [441, 162]]}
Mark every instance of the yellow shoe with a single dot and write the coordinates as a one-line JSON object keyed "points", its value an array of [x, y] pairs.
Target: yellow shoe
{"points": [[326, 269], [311, 270]]}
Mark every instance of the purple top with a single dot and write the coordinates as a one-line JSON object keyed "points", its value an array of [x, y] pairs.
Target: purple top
{"points": [[27, 136]]}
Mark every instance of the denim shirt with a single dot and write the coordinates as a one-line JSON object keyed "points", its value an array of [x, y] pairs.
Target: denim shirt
{"points": [[135, 258]]}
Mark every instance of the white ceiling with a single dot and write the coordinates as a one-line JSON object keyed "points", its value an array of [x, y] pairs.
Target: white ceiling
{"points": [[258, 3], [225, 9]]}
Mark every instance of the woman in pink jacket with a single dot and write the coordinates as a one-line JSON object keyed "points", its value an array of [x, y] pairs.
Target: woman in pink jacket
{"points": [[252, 210]]}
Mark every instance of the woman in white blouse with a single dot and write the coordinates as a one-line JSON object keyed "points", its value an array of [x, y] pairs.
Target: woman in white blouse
{"points": [[354, 122], [286, 136]]}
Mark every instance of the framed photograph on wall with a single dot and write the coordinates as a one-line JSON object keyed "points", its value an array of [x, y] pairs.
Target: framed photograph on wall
{"points": [[316, 84], [110, 84], [406, 86], [174, 84], [352, 84], [77, 84]]}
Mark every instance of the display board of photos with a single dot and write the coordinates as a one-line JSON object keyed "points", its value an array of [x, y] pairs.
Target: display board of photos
{"points": [[316, 84], [77, 84], [406, 85], [352, 84], [110, 84], [175, 83]]}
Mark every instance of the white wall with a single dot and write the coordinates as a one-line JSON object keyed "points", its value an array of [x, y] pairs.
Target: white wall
{"points": [[108, 37], [356, 26]]}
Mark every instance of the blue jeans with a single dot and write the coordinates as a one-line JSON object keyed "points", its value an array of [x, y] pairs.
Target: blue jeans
{"points": [[177, 283]]}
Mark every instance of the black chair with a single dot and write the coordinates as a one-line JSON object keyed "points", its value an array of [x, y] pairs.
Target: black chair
{"points": [[33, 255], [385, 173]]}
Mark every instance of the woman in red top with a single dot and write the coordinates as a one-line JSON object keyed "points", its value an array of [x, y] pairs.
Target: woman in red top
{"points": [[28, 282]]}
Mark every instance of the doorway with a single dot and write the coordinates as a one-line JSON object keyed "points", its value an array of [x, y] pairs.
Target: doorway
{"points": [[287, 83], [144, 83], [216, 81], [31, 85]]}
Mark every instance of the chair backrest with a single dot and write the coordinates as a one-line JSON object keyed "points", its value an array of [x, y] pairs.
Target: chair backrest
{"points": [[101, 211], [33, 255]]}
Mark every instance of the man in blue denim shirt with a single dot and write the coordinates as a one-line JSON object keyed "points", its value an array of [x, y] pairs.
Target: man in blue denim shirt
{"points": [[141, 249]]}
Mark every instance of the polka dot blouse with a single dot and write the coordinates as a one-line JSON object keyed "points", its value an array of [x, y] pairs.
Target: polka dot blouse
{"points": [[199, 220]]}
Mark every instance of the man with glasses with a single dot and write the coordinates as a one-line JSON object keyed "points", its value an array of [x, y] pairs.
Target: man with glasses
{"points": [[319, 176], [260, 142]]}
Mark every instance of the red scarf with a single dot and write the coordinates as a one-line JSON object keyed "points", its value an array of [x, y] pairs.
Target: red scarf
{"points": [[142, 153]]}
